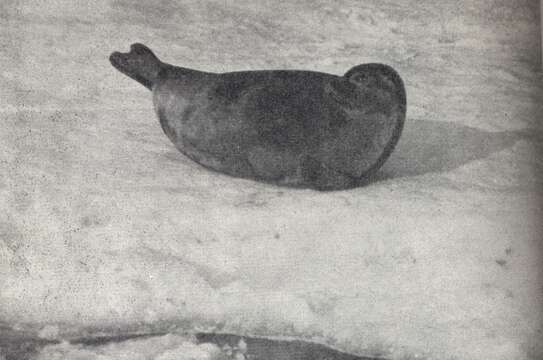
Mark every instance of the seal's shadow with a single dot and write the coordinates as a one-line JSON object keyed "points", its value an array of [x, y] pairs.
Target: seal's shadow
{"points": [[437, 146]]}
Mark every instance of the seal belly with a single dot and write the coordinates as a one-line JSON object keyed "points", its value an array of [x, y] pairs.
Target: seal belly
{"points": [[199, 129]]}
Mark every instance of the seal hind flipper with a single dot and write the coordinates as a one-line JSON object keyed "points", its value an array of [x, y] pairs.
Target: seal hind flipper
{"points": [[141, 64]]}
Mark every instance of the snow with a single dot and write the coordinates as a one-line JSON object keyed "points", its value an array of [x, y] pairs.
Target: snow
{"points": [[106, 228]]}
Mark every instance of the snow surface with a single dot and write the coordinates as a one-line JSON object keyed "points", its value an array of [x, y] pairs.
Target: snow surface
{"points": [[106, 228]]}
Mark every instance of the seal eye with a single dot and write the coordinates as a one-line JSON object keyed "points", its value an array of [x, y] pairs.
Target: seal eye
{"points": [[360, 78]]}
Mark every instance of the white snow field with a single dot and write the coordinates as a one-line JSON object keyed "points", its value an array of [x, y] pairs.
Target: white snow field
{"points": [[106, 229]]}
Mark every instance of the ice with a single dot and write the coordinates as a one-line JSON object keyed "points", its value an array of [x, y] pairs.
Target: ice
{"points": [[167, 347], [106, 229]]}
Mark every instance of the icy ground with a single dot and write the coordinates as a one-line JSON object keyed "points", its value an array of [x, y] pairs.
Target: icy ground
{"points": [[106, 228], [167, 347]]}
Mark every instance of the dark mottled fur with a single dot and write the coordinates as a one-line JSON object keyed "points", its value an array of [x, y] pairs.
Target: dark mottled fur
{"points": [[296, 128]]}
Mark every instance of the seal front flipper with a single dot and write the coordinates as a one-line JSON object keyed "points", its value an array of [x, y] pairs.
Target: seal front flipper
{"points": [[140, 64]]}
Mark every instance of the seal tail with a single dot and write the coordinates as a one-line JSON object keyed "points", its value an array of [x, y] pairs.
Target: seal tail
{"points": [[139, 64]]}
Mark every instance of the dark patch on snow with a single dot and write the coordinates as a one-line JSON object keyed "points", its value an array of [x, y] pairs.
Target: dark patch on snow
{"points": [[20, 345], [430, 146], [260, 348], [501, 262], [104, 340]]}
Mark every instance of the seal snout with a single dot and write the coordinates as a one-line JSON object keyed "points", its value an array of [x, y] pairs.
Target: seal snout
{"points": [[116, 59]]}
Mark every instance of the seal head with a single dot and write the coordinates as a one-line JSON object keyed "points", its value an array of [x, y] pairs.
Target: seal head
{"points": [[370, 87], [373, 89]]}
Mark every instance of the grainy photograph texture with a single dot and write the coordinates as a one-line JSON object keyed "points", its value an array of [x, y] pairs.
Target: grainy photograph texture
{"points": [[271, 180]]}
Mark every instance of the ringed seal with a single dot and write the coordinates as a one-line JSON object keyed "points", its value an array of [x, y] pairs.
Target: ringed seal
{"points": [[287, 127]]}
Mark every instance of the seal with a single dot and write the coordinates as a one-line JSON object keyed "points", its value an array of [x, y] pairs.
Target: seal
{"points": [[287, 127]]}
